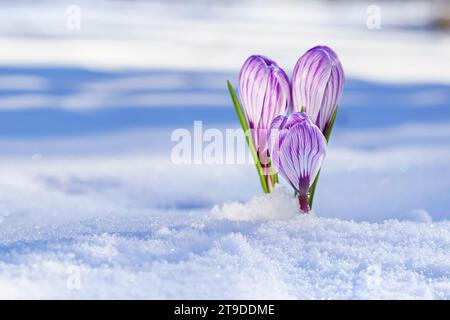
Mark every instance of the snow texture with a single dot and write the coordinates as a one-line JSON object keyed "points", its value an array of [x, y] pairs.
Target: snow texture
{"points": [[239, 250]]}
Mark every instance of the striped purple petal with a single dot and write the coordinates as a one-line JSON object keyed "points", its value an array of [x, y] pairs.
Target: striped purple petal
{"points": [[317, 85], [279, 129], [264, 91], [297, 148]]}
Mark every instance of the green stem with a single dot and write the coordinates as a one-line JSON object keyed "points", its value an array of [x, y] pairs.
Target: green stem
{"points": [[244, 125], [312, 190]]}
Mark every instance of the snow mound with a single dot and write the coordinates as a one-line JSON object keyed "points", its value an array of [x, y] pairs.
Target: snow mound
{"points": [[276, 205]]}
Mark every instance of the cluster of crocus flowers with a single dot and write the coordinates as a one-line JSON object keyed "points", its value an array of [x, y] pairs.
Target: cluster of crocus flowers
{"points": [[288, 125]]}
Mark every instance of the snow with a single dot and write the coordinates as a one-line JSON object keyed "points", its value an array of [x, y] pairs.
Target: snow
{"points": [[193, 36], [221, 254], [92, 206], [112, 224]]}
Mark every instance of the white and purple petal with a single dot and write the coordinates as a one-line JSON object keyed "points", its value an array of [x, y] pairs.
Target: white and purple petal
{"points": [[279, 129], [297, 150], [317, 85], [264, 91]]}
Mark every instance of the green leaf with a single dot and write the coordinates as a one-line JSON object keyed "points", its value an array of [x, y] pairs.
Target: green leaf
{"points": [[238, 107], [330, 127], [312, 190], [244, 125]]}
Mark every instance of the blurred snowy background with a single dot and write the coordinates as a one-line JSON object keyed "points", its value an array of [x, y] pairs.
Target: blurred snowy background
{"points": [[91, 205]]}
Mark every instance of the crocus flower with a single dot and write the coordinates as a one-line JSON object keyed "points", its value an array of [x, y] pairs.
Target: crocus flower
{"points": [[297, 148], [264, 92], [317, 85]]}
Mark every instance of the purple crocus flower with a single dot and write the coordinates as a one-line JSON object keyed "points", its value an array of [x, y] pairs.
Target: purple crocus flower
{"points": [[317, 85], [264, 92], [297, 148]]}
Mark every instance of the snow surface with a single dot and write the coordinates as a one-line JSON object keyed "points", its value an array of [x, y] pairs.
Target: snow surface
{"points": [[91, 205], [129, 227], [239, 250]]}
